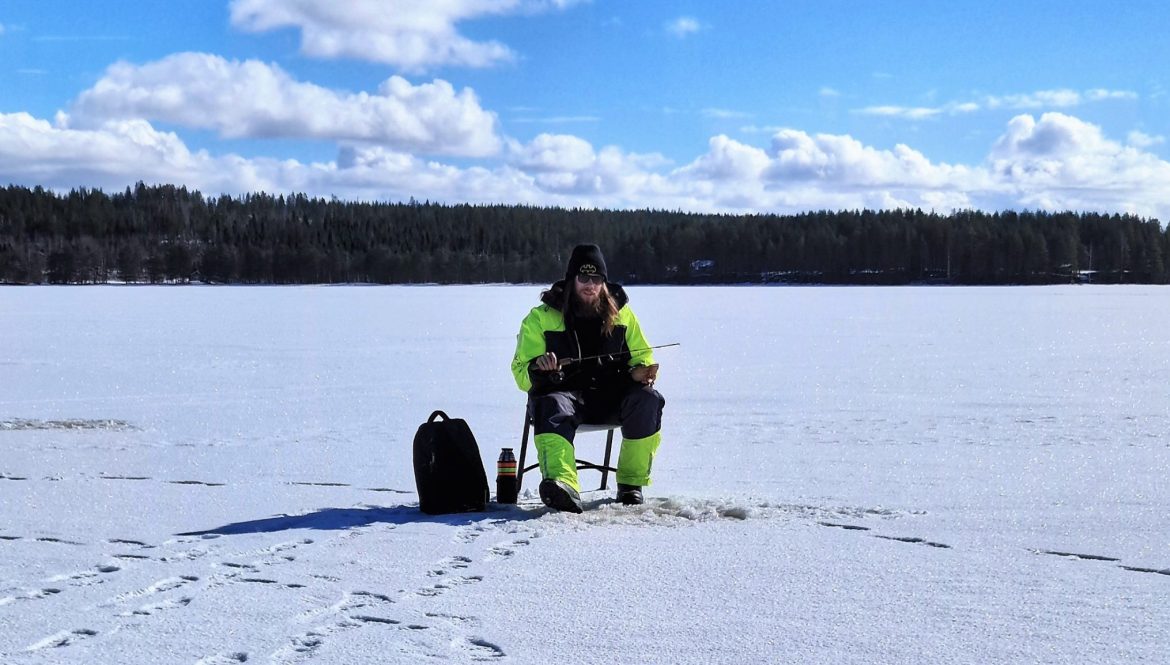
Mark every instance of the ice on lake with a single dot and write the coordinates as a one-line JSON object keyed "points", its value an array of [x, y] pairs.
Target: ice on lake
{"points": [[222, 474]]}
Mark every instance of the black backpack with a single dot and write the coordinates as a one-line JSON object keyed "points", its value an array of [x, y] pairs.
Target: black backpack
{"points": [[447, 467]]}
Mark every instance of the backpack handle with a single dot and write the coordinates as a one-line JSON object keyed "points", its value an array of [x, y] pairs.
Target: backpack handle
{"points": [[436, 414]]}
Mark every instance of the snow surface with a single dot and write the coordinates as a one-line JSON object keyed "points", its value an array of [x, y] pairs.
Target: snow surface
{"points": [[848, 475]]}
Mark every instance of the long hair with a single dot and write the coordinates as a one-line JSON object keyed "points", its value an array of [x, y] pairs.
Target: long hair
{"points": [[606, 307]]}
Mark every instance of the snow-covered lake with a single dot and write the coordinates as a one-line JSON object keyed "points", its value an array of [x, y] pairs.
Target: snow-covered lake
{"points": [[848, 475]]}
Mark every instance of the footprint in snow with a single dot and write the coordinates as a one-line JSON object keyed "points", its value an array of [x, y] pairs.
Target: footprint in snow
{"points": [[914, 540], [505, 550], [478, 649], [38, 594], [355, 610], [59, 541], [264, 580], [449, 564], [63, 639], [1074, 555], [849, 527], [155, 608], [308, 484], [298, 648], [501, 551], [447, 584], [161, 586], [453, 618], [469, 534], [224, 659], [86, 577], [1155, 571], [364, 618], [127, 541]]}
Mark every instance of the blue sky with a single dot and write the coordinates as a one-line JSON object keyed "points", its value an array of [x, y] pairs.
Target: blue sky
{"points": [[737, 106]]}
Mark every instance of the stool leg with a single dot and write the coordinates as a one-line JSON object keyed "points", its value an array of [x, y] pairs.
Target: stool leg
{"points": [[608, 450]]}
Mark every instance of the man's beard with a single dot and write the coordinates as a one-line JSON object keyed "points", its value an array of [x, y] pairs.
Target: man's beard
{"points": [[588, 310]]}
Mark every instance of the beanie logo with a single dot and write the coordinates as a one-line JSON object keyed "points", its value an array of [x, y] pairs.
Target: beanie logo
{"points": [[588, 269]]}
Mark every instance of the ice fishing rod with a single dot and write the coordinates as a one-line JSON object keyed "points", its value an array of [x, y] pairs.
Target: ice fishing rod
{"points": [[565, 361]]}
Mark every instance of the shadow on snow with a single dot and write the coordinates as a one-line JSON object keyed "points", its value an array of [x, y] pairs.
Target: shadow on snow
{"points": [[337, 519]]}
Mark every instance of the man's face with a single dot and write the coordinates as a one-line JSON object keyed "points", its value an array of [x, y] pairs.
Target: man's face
{"points": [[588, 287]]}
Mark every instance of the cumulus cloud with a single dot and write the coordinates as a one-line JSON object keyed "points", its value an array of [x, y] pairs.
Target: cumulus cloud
{"points": [[114, 155], [1053, 162], [845, 161], [683, 26], [253, 99], [1042, 99], [727, 159], [562, 165], [554, 152], [1060, 161], [414, 35]]}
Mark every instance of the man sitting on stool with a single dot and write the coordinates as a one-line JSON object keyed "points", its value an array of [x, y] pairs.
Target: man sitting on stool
{"points": [[582, 358]]}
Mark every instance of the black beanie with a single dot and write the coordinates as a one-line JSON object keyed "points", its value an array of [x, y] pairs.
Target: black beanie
{"points": [[586, 260]]}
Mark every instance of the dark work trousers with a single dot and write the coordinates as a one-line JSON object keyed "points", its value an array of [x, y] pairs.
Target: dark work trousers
{"points": [[638, 410]]}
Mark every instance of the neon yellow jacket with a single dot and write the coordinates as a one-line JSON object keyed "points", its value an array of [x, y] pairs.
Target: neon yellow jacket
{"points": [[544, 330]]}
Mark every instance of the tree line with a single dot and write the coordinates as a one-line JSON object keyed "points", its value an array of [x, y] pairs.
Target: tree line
{"points": [[169, 234]]}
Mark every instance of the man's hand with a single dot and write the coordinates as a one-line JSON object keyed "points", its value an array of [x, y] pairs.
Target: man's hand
{"points": [[645, 374], [547, 362]]}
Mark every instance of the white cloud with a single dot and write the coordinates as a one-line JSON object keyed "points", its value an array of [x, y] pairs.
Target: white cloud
{"points": [[1063, 98], [725, 114], [567, 166], [843, 160], [758, 129], [1041, 99], [415, 35], [727, 159], [826, 91], [1139, 139], [555, 152], [1100, 94], [114, 155], [258, 100], [1061, 162], [1056, 162], [908, 112], [683, 26]]}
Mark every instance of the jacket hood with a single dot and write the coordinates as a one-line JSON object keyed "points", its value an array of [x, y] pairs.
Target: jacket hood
{"points": [[555, 295]]}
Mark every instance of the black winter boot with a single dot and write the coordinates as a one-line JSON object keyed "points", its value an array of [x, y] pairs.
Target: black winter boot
{"points": [[630, 495], [557, 494]]}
